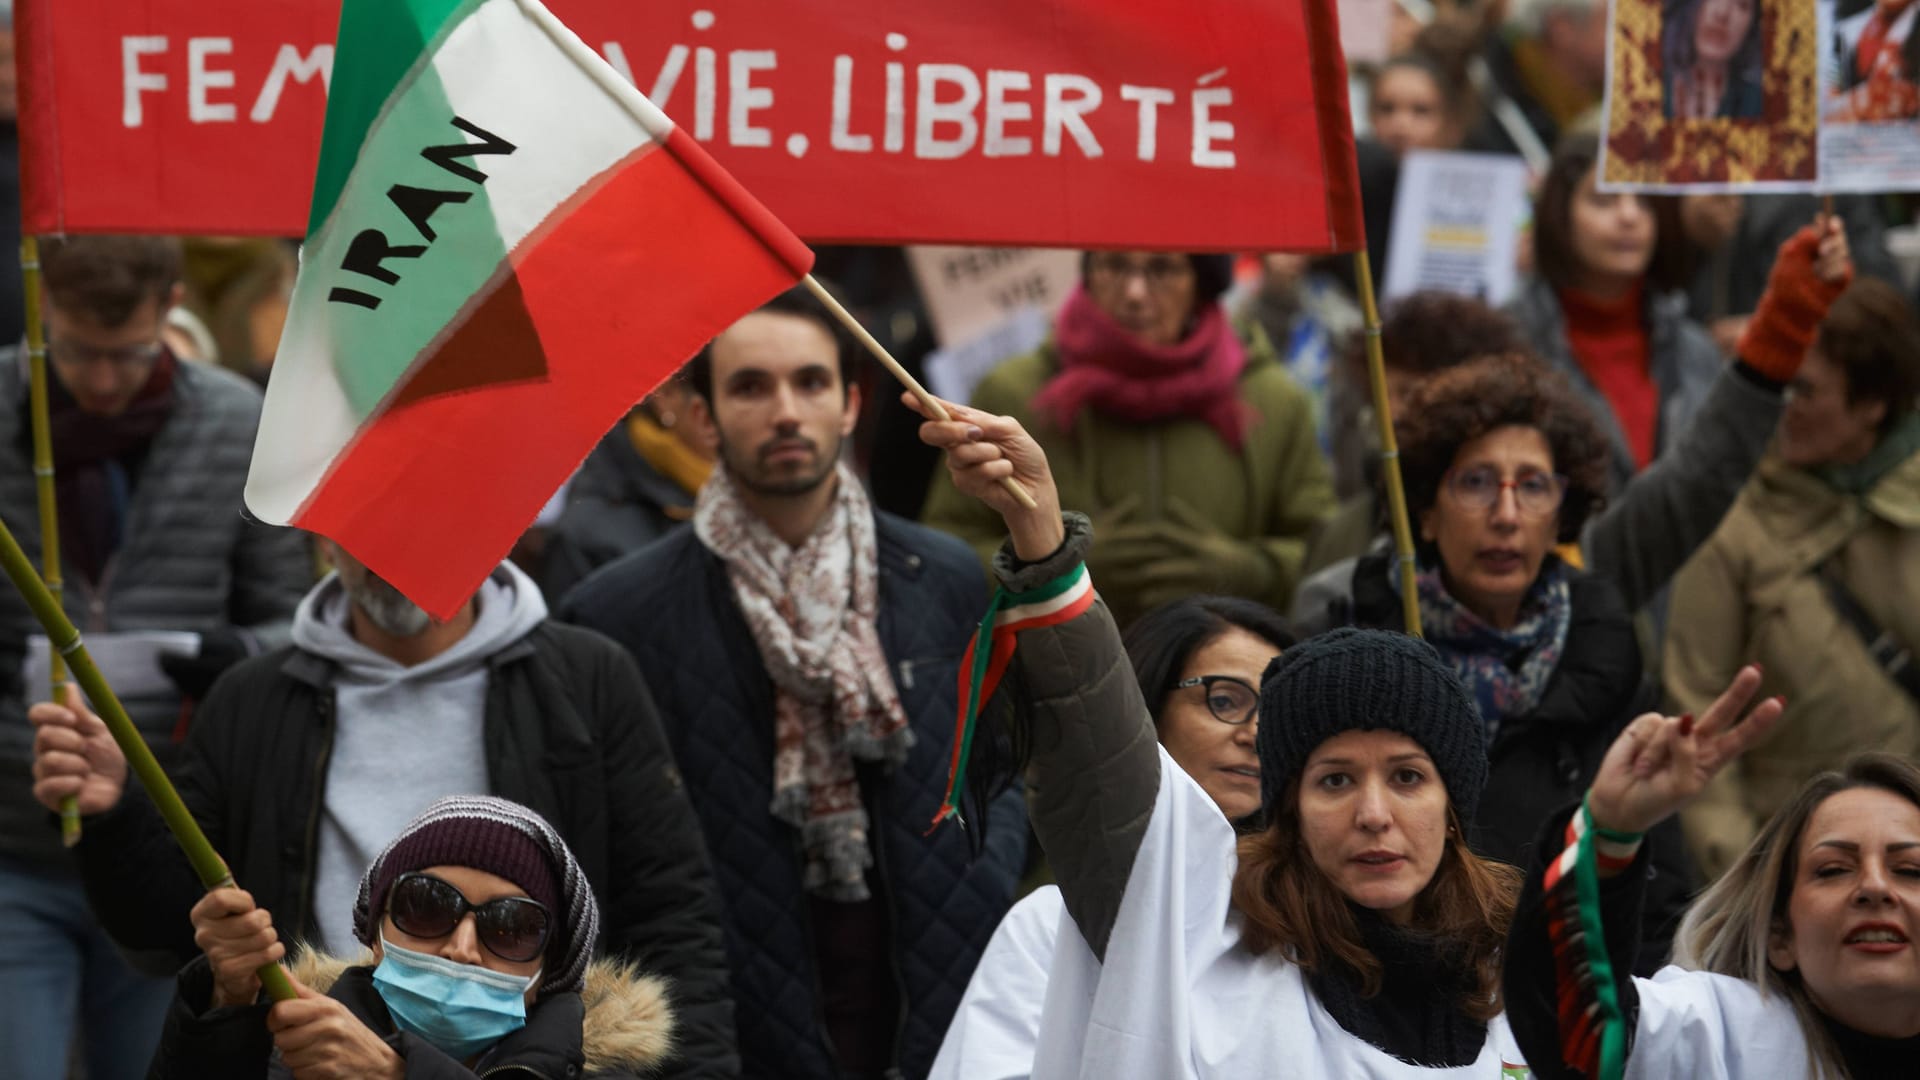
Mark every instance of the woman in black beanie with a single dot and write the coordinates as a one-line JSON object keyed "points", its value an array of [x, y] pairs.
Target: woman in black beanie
{"points": [[481, 928], [1356, 935]]}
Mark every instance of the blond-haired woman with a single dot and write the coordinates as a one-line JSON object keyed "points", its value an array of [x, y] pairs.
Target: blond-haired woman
{"points": [[1802, 960]]}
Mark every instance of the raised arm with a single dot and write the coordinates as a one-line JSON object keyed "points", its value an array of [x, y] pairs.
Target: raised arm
{"points": [[1671, 508], [1095, 767], [1570, 998]]}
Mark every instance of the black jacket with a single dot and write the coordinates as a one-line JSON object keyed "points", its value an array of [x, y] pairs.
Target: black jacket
{"points": [[617, 504], [671, 603], [570, 732], [1540, 763]]}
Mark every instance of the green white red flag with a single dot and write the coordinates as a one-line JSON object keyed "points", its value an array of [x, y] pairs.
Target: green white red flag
{"points": [[508, 247]]}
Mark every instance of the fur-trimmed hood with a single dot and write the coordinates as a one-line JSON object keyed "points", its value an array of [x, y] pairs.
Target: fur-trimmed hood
{"points": [[629, 1023]]}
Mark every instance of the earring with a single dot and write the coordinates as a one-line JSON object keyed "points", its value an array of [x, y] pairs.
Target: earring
{"points": [[667, 419]]}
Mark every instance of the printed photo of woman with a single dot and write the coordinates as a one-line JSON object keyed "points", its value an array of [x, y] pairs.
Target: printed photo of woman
{"points": [[1711, 59]]}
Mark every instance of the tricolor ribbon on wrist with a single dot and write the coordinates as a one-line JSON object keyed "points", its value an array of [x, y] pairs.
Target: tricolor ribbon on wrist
{"points": [[1593, 1032], [991, 650]]}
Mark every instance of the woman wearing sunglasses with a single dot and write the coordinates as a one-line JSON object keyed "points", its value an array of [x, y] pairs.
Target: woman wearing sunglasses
{"points": [[1502, 466], [480, 926], [1198, 662]]}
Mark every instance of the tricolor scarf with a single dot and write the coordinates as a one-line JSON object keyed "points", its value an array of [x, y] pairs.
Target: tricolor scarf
{"points": [[1506, 671], [1105, 367], [811, 610]]}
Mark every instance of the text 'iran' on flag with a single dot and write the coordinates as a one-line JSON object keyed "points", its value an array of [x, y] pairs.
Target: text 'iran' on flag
{"points": [[508, 247]]}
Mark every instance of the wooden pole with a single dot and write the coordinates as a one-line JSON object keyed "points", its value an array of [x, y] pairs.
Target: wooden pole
{"points": [[1389, 448], [880, 353], [66, 641], [43, 484]]}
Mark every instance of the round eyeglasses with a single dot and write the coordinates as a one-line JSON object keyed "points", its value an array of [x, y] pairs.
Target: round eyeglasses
{"points": [[1538, 494], [1231, 699]]}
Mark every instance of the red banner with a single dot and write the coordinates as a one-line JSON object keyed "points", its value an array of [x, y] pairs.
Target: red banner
{"points": [[1182, 124]]}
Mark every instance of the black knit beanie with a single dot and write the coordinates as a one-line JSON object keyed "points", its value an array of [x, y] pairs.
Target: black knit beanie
{"points": [[505, 839], [1368, 680]]}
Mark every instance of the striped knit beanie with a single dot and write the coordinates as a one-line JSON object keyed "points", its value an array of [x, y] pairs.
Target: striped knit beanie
{"points": [[505, 839]]}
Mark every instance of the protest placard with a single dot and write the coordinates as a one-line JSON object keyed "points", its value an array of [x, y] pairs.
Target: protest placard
{"points": [[1710, 95], [1456, 225], [1869, 102], [971, 290]]}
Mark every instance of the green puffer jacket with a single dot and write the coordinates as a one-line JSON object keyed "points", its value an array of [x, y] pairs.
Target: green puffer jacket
{"points": [[1754, 595], [1271, 495]]}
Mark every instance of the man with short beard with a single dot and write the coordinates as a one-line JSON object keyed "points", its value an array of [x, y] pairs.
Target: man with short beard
{"points": [[803, 648], [304, 762]]}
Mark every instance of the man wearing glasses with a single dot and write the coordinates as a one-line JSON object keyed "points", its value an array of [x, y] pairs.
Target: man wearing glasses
{"points": [[1180, 433], [150, 455]]}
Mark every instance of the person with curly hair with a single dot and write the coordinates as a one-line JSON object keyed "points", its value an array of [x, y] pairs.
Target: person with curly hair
{"points": [[1502, 465]]}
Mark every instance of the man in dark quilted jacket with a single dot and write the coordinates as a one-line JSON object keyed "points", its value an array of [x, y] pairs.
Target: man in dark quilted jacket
{"points": [[803, 649], [150, 454]]}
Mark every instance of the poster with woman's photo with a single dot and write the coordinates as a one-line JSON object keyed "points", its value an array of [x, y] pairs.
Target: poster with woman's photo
{"points": [[1869, 95], [1705, 94]]}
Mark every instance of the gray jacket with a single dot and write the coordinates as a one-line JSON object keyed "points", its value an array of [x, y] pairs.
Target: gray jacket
{"points": [[1659, 519], [190, 561], [1685, 364]]}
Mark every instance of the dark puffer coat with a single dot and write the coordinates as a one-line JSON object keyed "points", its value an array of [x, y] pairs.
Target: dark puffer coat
{"points": [[672, 605]]}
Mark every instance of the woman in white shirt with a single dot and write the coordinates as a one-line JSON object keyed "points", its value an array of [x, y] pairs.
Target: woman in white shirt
{"points": [[1355, 935], [1198, 662]]}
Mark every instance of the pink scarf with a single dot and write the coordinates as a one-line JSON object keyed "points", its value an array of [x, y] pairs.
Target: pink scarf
{"points": [[1104, 366]]}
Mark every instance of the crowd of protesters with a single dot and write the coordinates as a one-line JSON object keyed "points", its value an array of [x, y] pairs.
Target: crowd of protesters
{"points": [[658, 800]]}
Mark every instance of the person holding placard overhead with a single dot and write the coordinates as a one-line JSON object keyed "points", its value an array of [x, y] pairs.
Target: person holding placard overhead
{"points": [[1602, 308]]}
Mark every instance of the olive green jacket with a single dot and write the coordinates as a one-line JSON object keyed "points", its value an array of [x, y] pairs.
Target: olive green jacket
{"points": [[1272, 494], [1754, 594]]}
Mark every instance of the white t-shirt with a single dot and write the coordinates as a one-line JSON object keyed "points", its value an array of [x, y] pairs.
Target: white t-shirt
{"points": [[998, 1023], [1179, 998], [1714, 1027]]}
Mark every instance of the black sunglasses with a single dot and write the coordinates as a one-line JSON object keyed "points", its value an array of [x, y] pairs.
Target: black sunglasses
{"points": [[511, 927]]}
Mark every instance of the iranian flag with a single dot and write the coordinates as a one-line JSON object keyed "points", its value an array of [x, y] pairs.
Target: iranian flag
{"points": [[509, 246]]}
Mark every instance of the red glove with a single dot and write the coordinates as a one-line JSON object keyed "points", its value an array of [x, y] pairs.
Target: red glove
{"points": [[1797, 298]]}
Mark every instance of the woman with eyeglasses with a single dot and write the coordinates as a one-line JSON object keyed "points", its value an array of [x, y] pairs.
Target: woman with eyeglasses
{"points": [[1176, 426], [481, 927], [1198, 662], [1503, 465]]}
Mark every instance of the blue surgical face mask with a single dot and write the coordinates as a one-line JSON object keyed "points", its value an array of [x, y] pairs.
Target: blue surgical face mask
{"points": [[460, 1008]]}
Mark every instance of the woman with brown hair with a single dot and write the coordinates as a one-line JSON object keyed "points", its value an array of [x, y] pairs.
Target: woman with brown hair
{"points": [[1803, 960], [1503, 466], [1604, 312], [1357, 935]]}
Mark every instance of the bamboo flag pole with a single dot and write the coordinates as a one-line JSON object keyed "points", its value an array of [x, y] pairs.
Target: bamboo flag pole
{"points": [[1389, 448], [43, 483], [67, 644], [880, 353]]}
